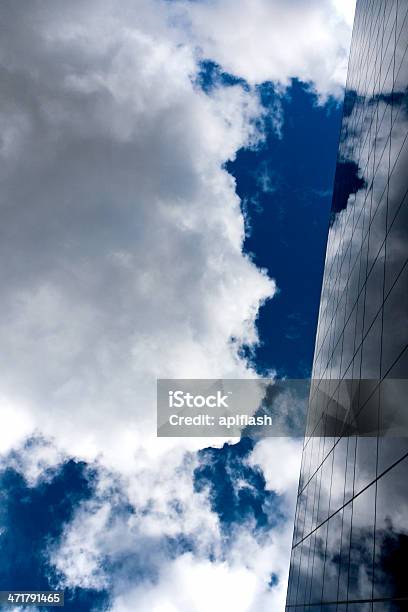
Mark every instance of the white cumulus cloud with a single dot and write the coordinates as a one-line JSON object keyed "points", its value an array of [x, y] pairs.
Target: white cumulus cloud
{"points": [[121, 232], [262, 40]]}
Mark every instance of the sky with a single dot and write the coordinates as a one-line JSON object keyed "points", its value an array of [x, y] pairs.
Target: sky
{"points": [[166, 172]]}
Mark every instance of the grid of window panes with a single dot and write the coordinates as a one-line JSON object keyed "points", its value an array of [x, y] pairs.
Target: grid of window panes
{"points": [[350, 544]]}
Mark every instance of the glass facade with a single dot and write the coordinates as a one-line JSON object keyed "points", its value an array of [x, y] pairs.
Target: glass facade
{"points": [[350, 544]]}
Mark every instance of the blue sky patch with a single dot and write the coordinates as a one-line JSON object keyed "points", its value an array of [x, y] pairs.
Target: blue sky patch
{"points": [[286, 187], [31, 519], [236, 490]]}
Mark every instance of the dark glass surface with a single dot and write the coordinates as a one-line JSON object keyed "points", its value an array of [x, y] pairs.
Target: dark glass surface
{"points": [[350, 545]]}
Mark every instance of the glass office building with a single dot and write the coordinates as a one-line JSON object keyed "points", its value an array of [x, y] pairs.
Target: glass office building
{"points": [[350, 544]]}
